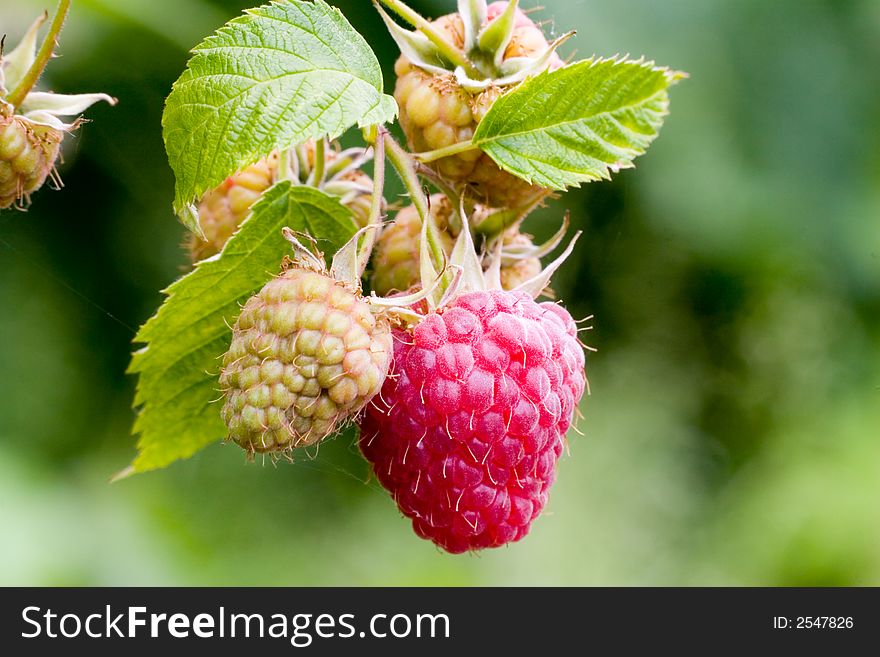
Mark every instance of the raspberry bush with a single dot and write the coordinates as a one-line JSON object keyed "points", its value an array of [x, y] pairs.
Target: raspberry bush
{"points": [[461, 385]]}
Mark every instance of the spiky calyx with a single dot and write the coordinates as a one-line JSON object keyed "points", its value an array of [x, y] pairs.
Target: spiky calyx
{"points": [[516, 269], [222, 210], [342, 176], [440, 107], [307, 354], [357, 199], [396, 254], [472, 420]]}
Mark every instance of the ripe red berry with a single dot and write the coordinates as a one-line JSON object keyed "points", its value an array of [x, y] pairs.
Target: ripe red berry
{"points": [[470, 424]]}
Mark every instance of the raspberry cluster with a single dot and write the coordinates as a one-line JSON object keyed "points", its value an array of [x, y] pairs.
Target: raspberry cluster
{"points": [[463, 386]]}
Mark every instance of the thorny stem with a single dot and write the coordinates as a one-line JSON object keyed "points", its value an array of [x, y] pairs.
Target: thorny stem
{"points": [[449, 51], [44, 54], [446, 151]]}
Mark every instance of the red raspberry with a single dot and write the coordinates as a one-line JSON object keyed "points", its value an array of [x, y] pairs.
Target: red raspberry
{"points": [[481, 396]]}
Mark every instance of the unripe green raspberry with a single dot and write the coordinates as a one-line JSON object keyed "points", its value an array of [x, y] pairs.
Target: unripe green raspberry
{"points": [[222, 209], [31, 125], [396, 254], [28, 153], [436, 111], [307, 354]]}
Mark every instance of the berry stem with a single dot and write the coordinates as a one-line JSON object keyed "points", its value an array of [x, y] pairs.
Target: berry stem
{"points": [[283, 170], [405, 166], [375, 218], [499, 221], [446, 151], [454, 55], [44, 54], [451, 193]]}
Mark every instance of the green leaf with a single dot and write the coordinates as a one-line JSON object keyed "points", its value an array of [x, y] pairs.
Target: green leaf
{"points": [[272, 78], [178, 367], [578, 123]]}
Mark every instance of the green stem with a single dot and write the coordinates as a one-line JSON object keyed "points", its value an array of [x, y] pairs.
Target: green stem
{"points": [[375, 216], [405, 166], [446, 151], [451, 193], [44, 54], [499, 221], [283, 167], [452, 54]]}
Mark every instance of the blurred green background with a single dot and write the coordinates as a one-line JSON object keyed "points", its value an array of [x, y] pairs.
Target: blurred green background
{"points": [[733, 433]]}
